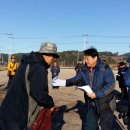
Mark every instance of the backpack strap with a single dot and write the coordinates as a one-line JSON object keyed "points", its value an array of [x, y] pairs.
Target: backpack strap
{"points": [[33, 105], [26, 79]]}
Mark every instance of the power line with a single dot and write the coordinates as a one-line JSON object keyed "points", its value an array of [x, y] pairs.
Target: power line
{"points": [[104, 36], [28, 37], [84, 36], [68, 42], [58, 43], [72, 36], [4, 33]]}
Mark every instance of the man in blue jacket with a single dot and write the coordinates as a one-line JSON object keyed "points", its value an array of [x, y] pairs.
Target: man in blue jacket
{"points": [[99, 76], [28, 91], [127, 83]]}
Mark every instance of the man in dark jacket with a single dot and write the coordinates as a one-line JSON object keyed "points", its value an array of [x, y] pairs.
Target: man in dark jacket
{"points": [[99, 76], [16, 109], [79, 65], [122, 68]]}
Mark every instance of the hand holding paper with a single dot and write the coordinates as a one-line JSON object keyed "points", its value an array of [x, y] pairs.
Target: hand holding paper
{"points": [[58, 82], [86, 88]]}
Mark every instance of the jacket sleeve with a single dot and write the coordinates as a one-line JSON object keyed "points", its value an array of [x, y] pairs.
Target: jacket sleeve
{"points": [[58, 69], [108, 83], [78, 80], [127, 78], [39, 87]]}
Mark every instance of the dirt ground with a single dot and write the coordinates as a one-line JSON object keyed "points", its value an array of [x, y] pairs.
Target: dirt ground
{"points": [[72, 112]]}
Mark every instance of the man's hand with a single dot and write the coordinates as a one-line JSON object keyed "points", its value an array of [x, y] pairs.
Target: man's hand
{"points": [[54, 109], [57, 82], [91, 95]]}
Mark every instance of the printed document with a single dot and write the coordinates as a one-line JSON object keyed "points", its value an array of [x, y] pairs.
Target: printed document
{"points": [[86, 88]]}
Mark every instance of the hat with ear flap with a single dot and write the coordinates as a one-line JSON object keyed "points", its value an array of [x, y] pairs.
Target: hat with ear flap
{"points": [[49, 48]]}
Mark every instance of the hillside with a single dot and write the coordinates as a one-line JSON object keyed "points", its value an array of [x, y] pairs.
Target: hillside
{"points": [[70, 58]]}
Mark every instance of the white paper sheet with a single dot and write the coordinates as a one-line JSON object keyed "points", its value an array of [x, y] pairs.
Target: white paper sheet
{"points": [[86, 88]]}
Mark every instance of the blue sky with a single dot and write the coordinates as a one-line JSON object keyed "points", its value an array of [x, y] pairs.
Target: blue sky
{"points": [[103, 24]]}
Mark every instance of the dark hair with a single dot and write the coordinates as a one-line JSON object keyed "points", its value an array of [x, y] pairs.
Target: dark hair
{"points": [[91, 52], [80, 60], [122, 63]]}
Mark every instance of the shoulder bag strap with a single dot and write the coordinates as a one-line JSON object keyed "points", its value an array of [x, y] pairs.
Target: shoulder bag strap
{"points": [[33, 106]]}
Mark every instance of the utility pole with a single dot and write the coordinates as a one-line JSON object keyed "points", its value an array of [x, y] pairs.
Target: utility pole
{"points": [[77, 56], [2, 58], [85, 40], [10, 45]]}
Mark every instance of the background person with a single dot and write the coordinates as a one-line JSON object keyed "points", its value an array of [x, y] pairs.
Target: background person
{"points": [[55, 70], [12, 67], [79, 65], [20, 103], [122, 68]]}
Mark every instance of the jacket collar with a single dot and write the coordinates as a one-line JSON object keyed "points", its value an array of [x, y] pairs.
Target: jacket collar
{"points": [[33, 58]]}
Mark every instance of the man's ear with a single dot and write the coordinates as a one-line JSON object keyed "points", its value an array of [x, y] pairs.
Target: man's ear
{"points": [[95, 58]]}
